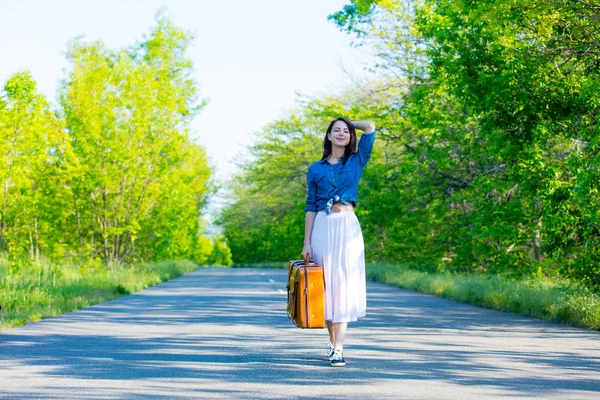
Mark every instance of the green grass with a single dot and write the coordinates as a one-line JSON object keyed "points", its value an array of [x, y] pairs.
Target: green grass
{"points": [[557, 300], [36, 291]]}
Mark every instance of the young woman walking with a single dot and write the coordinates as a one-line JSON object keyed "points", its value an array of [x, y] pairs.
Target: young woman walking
{"points": [[332, 234]]}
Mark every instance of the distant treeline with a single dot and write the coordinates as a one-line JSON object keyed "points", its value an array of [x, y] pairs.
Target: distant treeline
{"points": [[109, 172], [488, 152]]}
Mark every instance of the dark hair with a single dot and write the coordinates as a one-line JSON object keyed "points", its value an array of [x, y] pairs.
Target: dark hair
{"points": [[350, 147]]}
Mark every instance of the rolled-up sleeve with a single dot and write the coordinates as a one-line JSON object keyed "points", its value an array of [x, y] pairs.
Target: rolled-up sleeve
{"points": [[365, 147], [311, 199]]}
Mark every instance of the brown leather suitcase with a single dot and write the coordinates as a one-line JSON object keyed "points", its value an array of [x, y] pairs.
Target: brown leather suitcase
{"points": [[306, 294]]}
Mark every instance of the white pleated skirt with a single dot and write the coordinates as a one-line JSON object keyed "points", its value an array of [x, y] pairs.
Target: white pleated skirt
{"points": [[337, 245]]}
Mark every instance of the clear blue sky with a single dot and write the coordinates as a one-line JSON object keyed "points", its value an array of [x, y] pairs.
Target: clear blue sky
{"points": [[251, 57]]}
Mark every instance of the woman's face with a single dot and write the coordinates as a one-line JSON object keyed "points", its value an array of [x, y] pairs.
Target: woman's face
{"points": [[340, 134]]}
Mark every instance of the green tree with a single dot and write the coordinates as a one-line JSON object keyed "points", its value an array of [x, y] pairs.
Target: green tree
{"points": [[486, 157], [526, 72], [34, 150], [128, 114]]}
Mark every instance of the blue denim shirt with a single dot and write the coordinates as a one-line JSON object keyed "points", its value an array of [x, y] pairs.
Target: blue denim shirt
{"points": [[337, 183]]}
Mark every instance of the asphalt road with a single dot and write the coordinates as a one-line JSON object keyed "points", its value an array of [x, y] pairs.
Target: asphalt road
{"points": [[224, 334]]}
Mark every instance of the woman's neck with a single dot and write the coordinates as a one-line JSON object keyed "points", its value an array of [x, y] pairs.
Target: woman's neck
{"points": [[336, 155]]}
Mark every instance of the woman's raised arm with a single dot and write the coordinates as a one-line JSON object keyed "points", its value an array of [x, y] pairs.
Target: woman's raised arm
{"points": [[366, 126]]}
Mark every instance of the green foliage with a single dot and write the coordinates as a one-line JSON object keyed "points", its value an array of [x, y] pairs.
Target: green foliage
{"points": [[529, 70], [128, 114], [505, 112], [358, 10], [111, 173], [486, 157], [220, 254], [34, 154]]}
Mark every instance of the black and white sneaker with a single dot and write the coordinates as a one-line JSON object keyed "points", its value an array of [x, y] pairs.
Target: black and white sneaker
{"points": [[337, 360], [329, 351]]}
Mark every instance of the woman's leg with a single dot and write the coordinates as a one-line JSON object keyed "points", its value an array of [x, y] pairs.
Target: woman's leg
{"points": [[336, 359], [339, 334], [331, 329]]}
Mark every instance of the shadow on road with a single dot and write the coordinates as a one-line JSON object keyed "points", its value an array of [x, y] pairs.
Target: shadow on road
{"points": [[207, 328]]}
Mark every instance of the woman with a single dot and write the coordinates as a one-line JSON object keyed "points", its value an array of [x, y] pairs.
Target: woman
{"points": [[332, 235]]}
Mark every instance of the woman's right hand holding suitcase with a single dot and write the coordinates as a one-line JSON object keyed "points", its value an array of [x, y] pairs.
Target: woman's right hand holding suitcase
{"points": [[307, 253]]}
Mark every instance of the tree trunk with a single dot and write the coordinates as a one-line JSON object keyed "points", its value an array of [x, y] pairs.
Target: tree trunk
{"points": [[116, 247], [78, 217], [37, 239], [30, 242], [104, 229], [2, 221], [125, 246], [537, 235], [2, 233]]}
